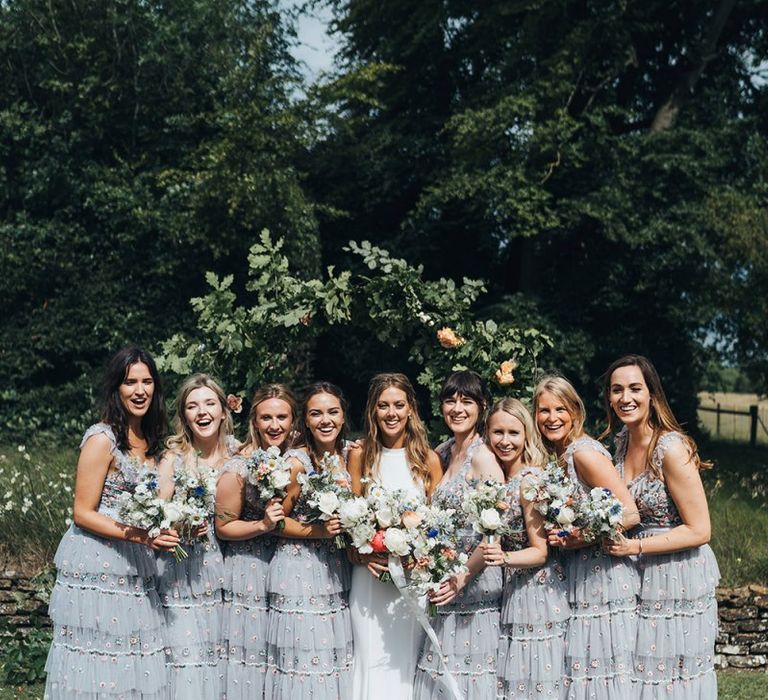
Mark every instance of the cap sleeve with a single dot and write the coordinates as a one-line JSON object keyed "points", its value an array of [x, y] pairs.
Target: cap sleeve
{"points": [[300, 456], [665, 441], [236, 465]]}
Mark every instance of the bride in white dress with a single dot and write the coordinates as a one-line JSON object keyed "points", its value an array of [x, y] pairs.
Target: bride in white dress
{"points": [[395, 455]]}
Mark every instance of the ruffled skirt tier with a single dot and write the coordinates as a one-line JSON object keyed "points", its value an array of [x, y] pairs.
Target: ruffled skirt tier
{"points": [[468, 630], [534, 623], [677, 626], [309, 633], [108, 636]]}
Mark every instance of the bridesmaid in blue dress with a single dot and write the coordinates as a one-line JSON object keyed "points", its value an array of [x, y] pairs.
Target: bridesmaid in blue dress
{"points": [[310, 632], [247, 523], [191, 590], [107, 621], [677, 625], [534, 609], [602, 589], [467, 620]]}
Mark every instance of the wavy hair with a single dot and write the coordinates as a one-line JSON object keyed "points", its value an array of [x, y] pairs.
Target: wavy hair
{"points": [[305, 434], [660, 417], [416, 443], [534, 454], [467, 383], [563, 390], [154, 423], [182, 441], [268, 391]]}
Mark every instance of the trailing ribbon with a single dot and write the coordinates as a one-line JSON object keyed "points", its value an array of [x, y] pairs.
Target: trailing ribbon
{"points": [[398, 576]]}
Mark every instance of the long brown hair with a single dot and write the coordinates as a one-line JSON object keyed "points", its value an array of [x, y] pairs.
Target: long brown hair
{"points": [[268, 391], [533, 451], [416, 443], [563, 390], [182, 441], [660, 417], [306, 437]]}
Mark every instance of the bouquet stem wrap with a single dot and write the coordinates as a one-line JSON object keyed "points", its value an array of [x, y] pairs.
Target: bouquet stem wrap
{"points": [[398, 576]]}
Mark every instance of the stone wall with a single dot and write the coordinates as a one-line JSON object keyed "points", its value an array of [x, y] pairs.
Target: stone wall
{"points": [[742, 641]]}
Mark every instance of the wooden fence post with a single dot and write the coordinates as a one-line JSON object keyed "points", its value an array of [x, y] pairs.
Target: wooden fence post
{"points": [[717, 430], [753, 426]]}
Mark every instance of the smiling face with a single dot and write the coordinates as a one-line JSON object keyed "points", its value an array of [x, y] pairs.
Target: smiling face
{"points": [[460, 413], [553, 419], [629, 396], [325, 419], [203, 413], [136, 390], [273, 419], [506, 437], [392, 411]]}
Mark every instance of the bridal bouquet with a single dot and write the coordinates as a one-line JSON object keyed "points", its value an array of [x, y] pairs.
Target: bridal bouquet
{"points": [[435, 555], [395, 519], [324, 491], [357, 521], [557, 498], [195, 496], [485, 506], [270, 473], [143, 507], [603, 515]]}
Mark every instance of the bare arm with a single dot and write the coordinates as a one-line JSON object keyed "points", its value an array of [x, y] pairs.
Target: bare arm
{"points": [[355, 468], [684, 484], [230, 500], [92, 468], [435, 467]]}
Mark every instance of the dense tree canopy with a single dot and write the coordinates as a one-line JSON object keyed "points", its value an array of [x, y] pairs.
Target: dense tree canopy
{"points": [[600, 165]]}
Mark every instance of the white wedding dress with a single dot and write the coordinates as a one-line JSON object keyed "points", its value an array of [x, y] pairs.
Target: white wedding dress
{"points": [[387, 636]]}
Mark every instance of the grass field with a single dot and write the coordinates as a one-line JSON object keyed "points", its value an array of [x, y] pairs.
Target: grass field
{"points": [[733, 428], [732, 685]]}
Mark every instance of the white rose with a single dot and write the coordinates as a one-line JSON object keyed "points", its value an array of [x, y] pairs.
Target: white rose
{"points": [[352, 510], [386, 516], [328, 503], [396, 542], [566, 516], [280, 478], [490, 519]]}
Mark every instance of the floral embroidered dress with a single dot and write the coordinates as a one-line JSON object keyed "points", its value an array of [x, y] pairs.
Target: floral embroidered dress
{"points": [[534, 616], [468, 628], [107, 622], [310, 649], [602, 630], [246, 609], [677, 623], [191, 591]]}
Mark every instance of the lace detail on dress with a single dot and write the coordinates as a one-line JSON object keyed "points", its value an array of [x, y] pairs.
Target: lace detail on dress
{"points": [[127, 466], [518, 536], [580, 445], [302, 457], [663, 444]]}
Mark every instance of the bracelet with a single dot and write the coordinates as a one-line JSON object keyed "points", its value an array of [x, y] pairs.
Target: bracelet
{"points": [[639, 546]]}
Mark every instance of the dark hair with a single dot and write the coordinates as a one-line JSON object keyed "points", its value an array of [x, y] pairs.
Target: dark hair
{"points": [[467, 383], [307, 439], [660, 417], [154, 423]]}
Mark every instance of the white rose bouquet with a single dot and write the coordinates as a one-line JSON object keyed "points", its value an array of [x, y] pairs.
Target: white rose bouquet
{"points": [[557, 498], [144, 508], [270, 473], [434, 551], [324, 492], [603, 515], [485, 506]]}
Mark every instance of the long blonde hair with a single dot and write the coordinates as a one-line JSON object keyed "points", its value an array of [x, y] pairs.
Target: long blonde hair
{"points": [[660, 417], [268, 391], [534, 454], [563, 390], [416, 443], [182, 441]]}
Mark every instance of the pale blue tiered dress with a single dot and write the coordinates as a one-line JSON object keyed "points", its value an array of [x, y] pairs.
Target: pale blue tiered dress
{"points": [[246, 609], [309, 636], [677, 626], [602, 630], [534, 616], [107, 621], [191, 592], [468, 628]]}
